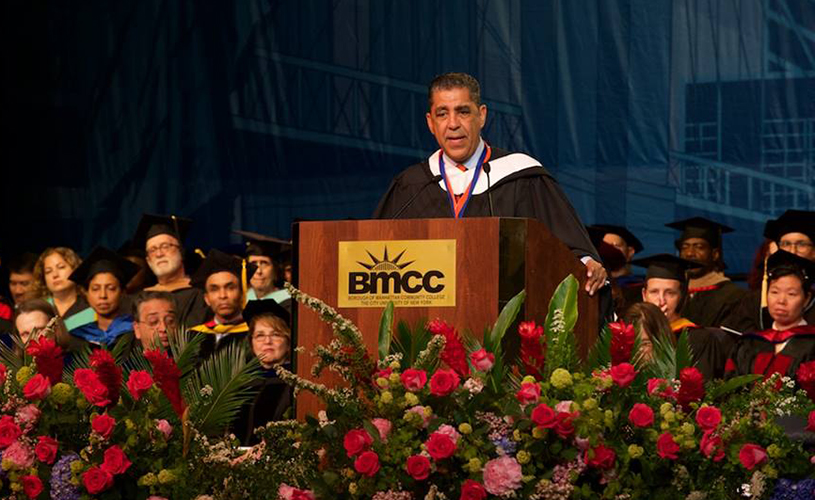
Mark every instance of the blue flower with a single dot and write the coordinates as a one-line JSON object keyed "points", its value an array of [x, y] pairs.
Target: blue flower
{"points": [[61, 487]]}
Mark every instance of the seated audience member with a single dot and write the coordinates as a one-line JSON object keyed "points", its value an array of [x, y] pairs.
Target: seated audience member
{"points": [[270, 339], [21, 280], [711, 295], [794, 232], [666, 286], [267, 282], [650, 322], [154, 319], [791, 340], [52, 272], [162, 239], [34, 315], [103, 275], [224, 280], [614, 253]]}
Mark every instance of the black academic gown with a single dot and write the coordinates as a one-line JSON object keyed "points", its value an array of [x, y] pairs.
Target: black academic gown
{"points": [[749, 316], [270, 403], [755, 352], [709, 347], [712, 307], [530, 192]]}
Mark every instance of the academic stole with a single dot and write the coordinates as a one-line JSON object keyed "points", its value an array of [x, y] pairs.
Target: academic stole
{"points": [[459, 203]]}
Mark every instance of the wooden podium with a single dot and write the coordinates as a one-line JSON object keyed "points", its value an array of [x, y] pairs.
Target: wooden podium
{"points": [[495, 258]]}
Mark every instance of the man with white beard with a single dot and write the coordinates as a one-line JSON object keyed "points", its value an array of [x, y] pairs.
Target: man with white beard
{"points": [[162, 236]]}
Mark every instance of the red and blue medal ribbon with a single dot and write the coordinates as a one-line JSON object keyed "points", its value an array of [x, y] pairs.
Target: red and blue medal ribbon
{"points": [[459, 205]]}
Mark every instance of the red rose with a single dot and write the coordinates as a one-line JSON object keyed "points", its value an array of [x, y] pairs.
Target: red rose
{"points": [[356, 441], [9, 431], [565, 424], [692, 386], [482, 360], [367, 463], [46, 449], [472, 490], [96, 480], [752, 455], [600, 457], [440, 446], [92, 388], [418, 466], [622, 342], [3, 373], [667, 447], [659, 387], [32, 486], [414, 380], [529, 392], [623, 374], [103, 425], [806, 378], [712, 446], [37, 387], [138, 383], [641, 415], [544, 416], [116, 461], [811, 422], [443, 382], [708, 418]]}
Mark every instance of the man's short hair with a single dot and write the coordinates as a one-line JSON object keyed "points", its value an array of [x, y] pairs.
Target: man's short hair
{"points": [[447, 81], [36, 305], [23, 263], [143, 297]]}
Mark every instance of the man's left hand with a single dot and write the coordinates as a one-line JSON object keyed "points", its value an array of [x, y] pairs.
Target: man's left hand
{"points": [[596, 276]]}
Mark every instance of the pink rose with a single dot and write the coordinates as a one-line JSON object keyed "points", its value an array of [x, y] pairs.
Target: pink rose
{"points": [[286, 492], [46, 449], [544, 416], [419, 410], [529, 393], [449, 431], [356, 441], [20, 455], [564, 406], [414, 380], [139, 383], [641, 415], [384, 426], [623, 374], [9, 431], [667, 447], [37, 388], [502, 475], [712, 446], [440, 446], [103, 425], [367, 463], [482, 360], [115, 461], [28, 416], [472, 490], [750, 456], [418, 466], [443, 382], [708, 418], [164, 427]]}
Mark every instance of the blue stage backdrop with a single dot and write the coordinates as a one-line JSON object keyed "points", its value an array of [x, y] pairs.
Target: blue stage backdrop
{"points": [[249, 114]]}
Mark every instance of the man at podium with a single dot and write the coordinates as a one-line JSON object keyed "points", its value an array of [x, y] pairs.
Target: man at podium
{"points": [[467, 177]]}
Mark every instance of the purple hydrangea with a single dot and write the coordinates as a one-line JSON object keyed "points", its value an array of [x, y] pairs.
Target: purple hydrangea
{"points": [[61, 487], [506, 444], [786, 489]]}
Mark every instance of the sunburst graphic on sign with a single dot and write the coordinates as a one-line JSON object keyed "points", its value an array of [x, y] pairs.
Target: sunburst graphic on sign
{"points": [[385, 264]]}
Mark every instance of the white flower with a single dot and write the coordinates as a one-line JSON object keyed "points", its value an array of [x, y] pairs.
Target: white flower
{"points": [[473, 385]]}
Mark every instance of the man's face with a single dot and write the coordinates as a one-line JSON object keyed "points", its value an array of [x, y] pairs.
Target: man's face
{"points": [[665, 294], [262, 279], [157, 318], [799, 244], [619, 243], [456, 122], [105, 294], [164, 255], [699, 250], [21, 286], [26, 323], [269, 345], [223, 295]]}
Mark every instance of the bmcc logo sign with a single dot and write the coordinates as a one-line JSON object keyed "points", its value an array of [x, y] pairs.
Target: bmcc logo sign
{"points": [[410, 273]]}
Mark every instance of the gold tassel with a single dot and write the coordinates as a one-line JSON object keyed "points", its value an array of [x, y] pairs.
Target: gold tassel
{"points": [[764, 282], [201, 253], [244, 284]]}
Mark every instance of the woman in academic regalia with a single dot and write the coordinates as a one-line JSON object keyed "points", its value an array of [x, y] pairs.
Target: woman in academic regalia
{"points": [[270, 339], [790, 341], [104, 275], [51, 272]]}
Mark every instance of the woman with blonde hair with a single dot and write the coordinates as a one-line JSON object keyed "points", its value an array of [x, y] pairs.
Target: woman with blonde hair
{"points": [[51, 273]]}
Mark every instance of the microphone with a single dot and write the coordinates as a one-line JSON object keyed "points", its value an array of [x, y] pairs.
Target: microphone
{"points": [[434, 180], [486, 168]]}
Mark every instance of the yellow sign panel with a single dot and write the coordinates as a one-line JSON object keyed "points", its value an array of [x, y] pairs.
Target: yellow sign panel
{"points": [[410, 273]]}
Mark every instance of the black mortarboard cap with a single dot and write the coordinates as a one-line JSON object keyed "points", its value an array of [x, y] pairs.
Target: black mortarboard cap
{"points": [[791, 221], [260, 244], [218, 261], [265, 306], [665, 266], [782, 260], [613, 259], [700, 227], [620, 231], [104, 260], [153, 225]]}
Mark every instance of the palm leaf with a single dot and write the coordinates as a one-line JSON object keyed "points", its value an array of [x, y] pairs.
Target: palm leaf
{"points": [[492, 341], [561, 350], [14, 356], [409, 342], [684, 353], [385, 331], [733, 385], [600, 353]]}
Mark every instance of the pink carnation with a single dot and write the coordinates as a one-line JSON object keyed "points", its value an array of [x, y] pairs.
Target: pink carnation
{"points": [[165, 428], [20, 455], [286, 492], [384, 426], [28, 416], [502, 475]]}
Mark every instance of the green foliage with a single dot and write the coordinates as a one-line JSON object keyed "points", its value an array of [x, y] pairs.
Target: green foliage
{"points": [[409, 342], [561, 351], [600, 352], [385, 331], [669, 359]]}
